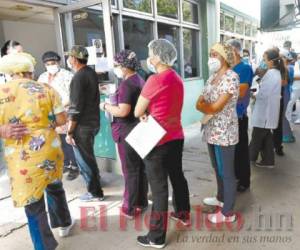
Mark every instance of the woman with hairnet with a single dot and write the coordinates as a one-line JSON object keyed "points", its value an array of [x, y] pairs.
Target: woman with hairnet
{"points": [[34, 160], [162, 98], [221, 131], [136, 186]]}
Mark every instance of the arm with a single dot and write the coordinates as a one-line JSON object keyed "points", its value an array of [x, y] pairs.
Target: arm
{"points": [[13, 131], [122, 110], [76, 99], [61, 119], [141, 106], [213, 108], [243, 90]]}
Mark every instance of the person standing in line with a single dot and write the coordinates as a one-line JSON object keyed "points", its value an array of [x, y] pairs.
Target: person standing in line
{"points": [[84, 120], [221, 133], [9, 47], [162, 98], [242, 160], [60, 80], [30, 111], [287, 133], [295, 95], [136, 185], [266, 112]]}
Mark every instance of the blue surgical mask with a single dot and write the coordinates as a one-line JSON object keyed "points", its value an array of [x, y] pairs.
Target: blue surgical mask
{"points": [[150, 66], [263, 65], [246, 59]]}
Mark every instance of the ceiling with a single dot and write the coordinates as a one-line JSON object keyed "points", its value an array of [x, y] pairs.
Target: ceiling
{"points": [[17, 11]]}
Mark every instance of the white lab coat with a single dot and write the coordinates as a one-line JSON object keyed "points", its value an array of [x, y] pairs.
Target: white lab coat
{"points": [[267, 105]]}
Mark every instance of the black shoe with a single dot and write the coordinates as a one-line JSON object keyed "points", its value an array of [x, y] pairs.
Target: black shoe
{"points": [[145, 242], [279, 152], [242, 189], [73, 173]]}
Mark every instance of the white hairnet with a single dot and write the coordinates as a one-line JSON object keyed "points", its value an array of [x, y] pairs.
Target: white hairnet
{"points": [[165, 50]]}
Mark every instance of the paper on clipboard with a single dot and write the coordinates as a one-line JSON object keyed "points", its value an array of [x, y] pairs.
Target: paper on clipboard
{"points": [[145, 136]]}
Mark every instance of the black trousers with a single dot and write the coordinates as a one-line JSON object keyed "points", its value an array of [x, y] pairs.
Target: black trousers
{"points": [[278, 133], [262, 142], [40, 232], [241, 159], [86, 160], [166, 161]]}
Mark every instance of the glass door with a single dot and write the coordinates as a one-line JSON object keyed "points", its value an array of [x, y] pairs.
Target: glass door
{"points": [[88, 23]]}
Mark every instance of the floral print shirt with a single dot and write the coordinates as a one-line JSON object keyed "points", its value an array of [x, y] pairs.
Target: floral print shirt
{"points": [[223, 129], [37, 160]]}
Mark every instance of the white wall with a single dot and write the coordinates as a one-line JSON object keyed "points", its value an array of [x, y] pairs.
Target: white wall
{"points": [[35, 38]]}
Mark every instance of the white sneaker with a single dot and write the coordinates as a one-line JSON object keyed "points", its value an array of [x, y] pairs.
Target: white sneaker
{"points": [[213, 201], [65, 231], [220, 218], [297, 121]]}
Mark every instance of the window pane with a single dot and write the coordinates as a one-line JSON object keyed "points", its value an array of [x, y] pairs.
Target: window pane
{"points": [[167, 8], [87, 25], [191, 53], [171, 33], [222, 21], [137, 34], [248, 29], [140, 5], [229, 23], [248, 45], [239, 26], [254, 30], [190, 12]]}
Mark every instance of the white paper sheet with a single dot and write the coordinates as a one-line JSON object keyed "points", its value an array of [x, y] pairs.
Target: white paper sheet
{"points": [[102, 65], [92, 55], [145, 136]]}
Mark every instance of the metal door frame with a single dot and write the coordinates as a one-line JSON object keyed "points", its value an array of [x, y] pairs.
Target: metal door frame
{"points": [[107, 23]]}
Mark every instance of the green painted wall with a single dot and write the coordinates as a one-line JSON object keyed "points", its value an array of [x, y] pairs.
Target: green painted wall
{"points": [[192, 90]]}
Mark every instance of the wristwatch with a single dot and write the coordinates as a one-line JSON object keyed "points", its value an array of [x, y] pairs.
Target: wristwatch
{"points": [[69, 132]]}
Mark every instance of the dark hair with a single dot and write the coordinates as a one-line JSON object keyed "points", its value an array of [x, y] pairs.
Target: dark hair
{"points": [[8, 44], [50, 56], [278, 63], [246, 51], [82, 61]]}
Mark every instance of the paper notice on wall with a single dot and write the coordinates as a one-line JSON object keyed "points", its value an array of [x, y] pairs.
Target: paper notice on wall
{"points": [[92, 55], [145, 136], [102, 65]]}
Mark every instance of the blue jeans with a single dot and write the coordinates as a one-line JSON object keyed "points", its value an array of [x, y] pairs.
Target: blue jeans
{"points": [[69, 157], [86, 160], [40, 232], [222, 160]]}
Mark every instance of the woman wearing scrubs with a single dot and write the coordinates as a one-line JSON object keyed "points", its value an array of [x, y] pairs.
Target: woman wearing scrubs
{"points": [[122, 110], [221, 133]]}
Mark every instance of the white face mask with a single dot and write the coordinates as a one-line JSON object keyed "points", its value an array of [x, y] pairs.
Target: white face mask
{"points": [[214, 64], [118, 72], [52, 69], [150, 66]]}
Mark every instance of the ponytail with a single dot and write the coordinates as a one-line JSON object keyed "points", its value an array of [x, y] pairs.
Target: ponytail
{"points": [[282, 68], [278, 63]]}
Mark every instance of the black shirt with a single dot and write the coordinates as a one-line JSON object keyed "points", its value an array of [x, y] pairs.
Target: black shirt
{"points": [[85, 98]]}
